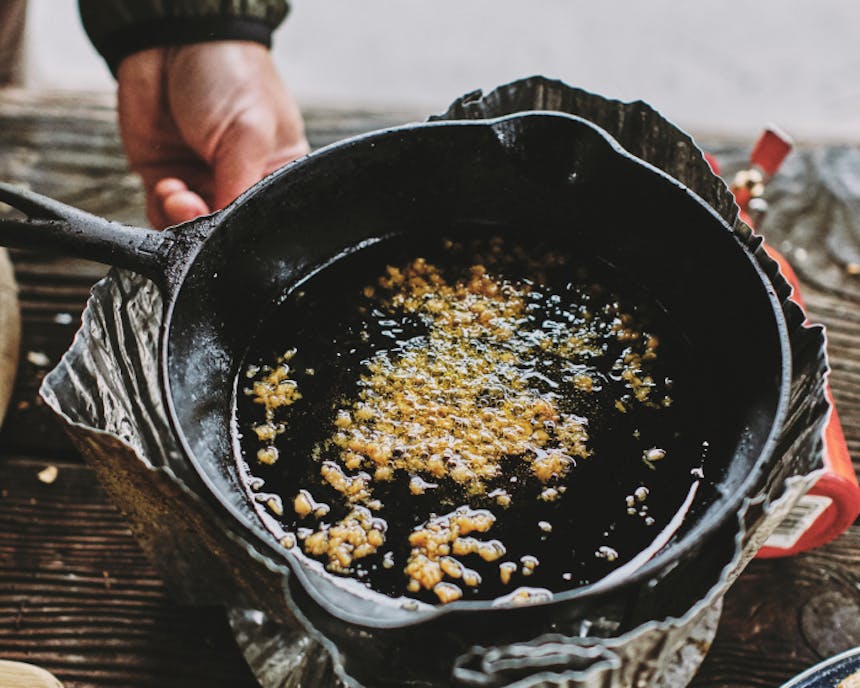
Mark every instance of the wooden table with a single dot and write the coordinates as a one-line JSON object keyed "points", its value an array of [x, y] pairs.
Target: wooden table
{"points": [[77, 595]]}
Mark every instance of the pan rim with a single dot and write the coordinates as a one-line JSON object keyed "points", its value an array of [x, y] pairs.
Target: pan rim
{"points": [[252, 532]]}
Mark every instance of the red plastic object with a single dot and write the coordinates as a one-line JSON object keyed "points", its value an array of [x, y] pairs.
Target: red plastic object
{"points": [[833, 503], [770, 150], [816, 521]]}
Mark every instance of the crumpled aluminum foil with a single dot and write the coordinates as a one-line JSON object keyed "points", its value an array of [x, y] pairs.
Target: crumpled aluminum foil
{"points": [[106, 391]]}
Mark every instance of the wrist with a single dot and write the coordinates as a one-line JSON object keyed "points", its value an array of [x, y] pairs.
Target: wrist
{"points": [[180, 32]]}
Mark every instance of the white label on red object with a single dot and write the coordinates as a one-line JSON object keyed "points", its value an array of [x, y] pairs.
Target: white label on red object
{"points": [[798, 521]]}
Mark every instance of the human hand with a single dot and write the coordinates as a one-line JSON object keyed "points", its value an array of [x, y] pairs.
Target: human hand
{"points": [[203, 122]]}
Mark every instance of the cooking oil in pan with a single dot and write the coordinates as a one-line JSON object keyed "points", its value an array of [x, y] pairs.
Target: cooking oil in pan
{"points": [[470, 419]]}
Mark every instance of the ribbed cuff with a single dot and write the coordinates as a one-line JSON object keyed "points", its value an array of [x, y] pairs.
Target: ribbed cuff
{"points": [[181, 31]]}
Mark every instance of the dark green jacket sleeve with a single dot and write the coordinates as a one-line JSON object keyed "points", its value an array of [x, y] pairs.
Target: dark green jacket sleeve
{"points": [[118, 28]]}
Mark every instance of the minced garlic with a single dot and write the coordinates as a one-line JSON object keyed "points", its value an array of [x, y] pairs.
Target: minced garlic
{"points": [[274, 390], [456, 404], [456, 410], [438, 544], [356, 536]]}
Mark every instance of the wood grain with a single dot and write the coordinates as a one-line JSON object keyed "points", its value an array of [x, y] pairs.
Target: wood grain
{"points": [[78, 597], [780, 617]]}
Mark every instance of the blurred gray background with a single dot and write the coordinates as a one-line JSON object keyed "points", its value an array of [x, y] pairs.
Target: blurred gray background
{"points": [[716, 67]]}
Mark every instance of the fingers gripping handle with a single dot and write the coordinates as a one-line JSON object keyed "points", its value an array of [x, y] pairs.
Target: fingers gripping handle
{"points": [[59, 228]]}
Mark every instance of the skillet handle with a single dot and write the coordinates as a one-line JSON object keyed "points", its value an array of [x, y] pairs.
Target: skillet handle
{"points": [[55, 226]]}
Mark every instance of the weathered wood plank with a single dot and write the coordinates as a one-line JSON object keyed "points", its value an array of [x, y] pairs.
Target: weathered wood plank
{"points": [[784, 615], [78, 597], [60, 609]]}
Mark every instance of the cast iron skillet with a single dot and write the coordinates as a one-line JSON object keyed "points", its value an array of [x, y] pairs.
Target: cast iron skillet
{"points": [[555, 174]]}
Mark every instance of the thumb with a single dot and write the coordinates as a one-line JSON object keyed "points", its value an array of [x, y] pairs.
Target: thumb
{"points": [[240, 159]]}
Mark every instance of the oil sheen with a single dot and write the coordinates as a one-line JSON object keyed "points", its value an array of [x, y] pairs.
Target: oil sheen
{"points": [[468, 419]]}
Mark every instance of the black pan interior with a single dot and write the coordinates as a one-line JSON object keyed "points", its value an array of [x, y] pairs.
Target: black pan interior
{"points": [[540, 172]]}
